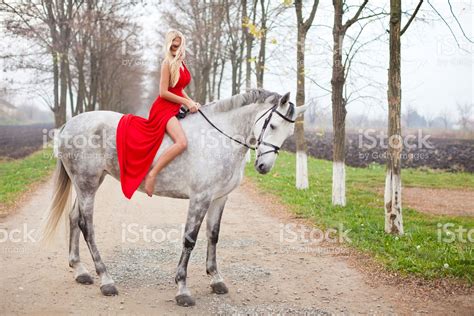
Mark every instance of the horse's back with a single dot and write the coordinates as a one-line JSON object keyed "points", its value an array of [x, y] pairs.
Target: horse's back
{"points": [[87, 142], [91, 120]]}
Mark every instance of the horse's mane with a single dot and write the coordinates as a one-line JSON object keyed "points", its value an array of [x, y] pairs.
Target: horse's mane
{"points": [[236, 101]]}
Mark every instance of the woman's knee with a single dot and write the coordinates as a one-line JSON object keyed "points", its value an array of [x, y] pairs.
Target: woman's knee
{"points": [[182, 143]]}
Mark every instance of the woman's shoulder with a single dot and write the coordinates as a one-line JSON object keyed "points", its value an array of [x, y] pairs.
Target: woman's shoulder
{"points": [[165, 65]]}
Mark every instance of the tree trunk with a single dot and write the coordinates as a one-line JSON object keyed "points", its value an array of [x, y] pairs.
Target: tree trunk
{"points": [[260, 69], [81, 87], [234, 64], [248, 53], [393, 184], [301, 148], [220, 78], [248, 43], [338, 110], [69, 86], [62, 88]]}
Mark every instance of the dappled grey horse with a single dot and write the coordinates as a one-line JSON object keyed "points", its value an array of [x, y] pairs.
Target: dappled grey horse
{"points": [[209, 169]]}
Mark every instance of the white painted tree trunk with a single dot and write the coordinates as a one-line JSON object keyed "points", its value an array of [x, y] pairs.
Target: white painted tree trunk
{"points": [[301, 170], [248, 158], [393, 204], [339, 183]]}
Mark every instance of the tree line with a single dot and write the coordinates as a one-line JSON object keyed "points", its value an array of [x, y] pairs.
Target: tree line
{"points": [[80, 44]]}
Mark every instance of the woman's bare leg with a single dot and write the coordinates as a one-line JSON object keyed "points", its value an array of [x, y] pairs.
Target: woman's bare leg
{"points": [[176, 132]]}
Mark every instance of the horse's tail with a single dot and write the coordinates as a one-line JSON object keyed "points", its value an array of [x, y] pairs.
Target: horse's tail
{"points": [[61, 201]]}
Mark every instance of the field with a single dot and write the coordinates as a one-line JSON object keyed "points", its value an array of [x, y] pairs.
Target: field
{"points": [[421, 150], [18, 141]]}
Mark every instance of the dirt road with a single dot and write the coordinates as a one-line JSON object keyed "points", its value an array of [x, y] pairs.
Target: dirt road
{"points": [[267, 266]]}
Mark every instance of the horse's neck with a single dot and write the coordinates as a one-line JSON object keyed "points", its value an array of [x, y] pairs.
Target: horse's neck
{"points": [[238, 122], [234, 102]]}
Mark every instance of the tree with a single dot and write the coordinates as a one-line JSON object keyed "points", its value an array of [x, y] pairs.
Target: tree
{"points": [[235, 42], [49, 26], [204, 25], [248, 39], [444, 115], [393, 181], [465, 115], [268, 16], [83, 40], [339, 102], [301, 148]]}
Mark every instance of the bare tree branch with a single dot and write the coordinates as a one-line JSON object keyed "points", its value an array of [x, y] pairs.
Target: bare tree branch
{"points": [[355, 17], [411, 18]]}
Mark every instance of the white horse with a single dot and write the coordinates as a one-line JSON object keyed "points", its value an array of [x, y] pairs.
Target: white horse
{"points": [[211, 168]]}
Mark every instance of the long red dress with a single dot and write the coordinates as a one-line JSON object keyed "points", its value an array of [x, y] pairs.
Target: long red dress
{"points": [[138, 139]]}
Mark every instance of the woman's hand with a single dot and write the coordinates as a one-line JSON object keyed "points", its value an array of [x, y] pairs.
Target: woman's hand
{"points": [[193, 106]]}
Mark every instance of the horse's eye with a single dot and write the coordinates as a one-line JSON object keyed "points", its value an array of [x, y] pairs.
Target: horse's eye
{"points": [[272, 126]]}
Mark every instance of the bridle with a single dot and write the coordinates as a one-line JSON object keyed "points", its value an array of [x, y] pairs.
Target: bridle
{"points": [[260, 140]]}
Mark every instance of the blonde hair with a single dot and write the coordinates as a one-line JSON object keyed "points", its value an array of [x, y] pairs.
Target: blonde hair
{"points": [[174, 61]]}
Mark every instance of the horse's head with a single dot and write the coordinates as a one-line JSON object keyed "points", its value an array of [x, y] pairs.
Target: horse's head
{"points": [[271, 128]]}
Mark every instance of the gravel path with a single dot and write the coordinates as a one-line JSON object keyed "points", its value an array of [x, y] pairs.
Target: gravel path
{"points": [[264, 273]]}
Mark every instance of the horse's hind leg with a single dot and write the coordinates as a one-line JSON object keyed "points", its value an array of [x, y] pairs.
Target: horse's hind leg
{"points": [[214, 215], [81, 275], [86, 196]]}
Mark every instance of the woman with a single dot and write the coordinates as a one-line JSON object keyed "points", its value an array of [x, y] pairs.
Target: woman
{"points": [[139, 139]]}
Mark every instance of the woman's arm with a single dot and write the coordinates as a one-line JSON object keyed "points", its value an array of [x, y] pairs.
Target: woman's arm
{"points": [[186, 95], [164, 84]]}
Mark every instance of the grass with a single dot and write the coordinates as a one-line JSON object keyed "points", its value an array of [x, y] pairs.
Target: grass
{"points": [[419, 251], [16, 176]]}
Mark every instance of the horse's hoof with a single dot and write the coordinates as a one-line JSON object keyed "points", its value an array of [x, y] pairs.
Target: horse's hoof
{"points": [[84, 279], [109, 290], [185, 300], [219, 288]]}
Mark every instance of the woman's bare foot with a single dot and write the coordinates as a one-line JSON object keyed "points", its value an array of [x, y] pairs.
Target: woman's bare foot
{"points": [[149, 184]]}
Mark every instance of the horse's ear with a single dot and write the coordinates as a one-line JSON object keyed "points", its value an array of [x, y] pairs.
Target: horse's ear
{"points": [[300, 110], [285, 98]]}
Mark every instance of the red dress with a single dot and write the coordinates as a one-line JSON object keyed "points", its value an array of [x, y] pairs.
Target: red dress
{"points": [[138, 139]]}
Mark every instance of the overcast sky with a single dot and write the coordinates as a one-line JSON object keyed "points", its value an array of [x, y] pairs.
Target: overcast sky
{"points": [[436, 73]]}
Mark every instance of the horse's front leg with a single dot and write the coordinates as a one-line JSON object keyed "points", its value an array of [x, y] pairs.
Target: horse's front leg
{"points": [[198, 206], [214, 217]]}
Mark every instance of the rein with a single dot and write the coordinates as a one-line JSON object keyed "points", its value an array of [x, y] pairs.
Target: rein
{"points": [[260, 140]]}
